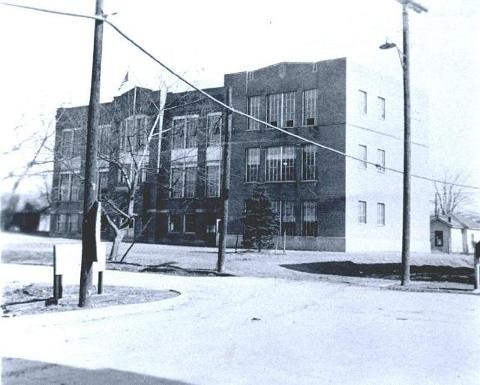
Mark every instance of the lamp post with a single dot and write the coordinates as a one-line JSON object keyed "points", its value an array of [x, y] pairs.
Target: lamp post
{"points": [[404, 60]]}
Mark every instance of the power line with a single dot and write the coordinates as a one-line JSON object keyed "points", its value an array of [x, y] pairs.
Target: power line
{"points": [[222, 104]]}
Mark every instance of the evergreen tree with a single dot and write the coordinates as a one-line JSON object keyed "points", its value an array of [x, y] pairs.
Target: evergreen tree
{"points": [[260, 222]]}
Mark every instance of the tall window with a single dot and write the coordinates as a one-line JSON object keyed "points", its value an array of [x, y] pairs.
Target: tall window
{"points": [[214, 129], [254, 106], [362, 155], [381, 214], [362, 102], [362, 212], [274, 109], [190, 223], [309, 102], [184, 132], [308, 162], [67, 143], [288, 109], [252, 164], [213, 180], [104, 139], [102, 182], [176, 182], [183, 181], [280, 164], [64, 190], [309, 218], [288, 217], [381, 108], [133, 135], [61, 224], [73, 223], [174, 223], [78, 137], [380, 160], [190, 181]]}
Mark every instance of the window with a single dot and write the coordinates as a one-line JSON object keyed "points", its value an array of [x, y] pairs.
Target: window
{"points": [[73, 223], [252, 164], [362, 102], [381, 108], [308, 162], [178, 133], [123, 136], [254, 106], [174, 223], [102, 182], [190, 181], [380, 160], [140, 131], [274, 109], [280, 164], [362, 156], [288, 218], [191, 132], [289, 109], [133, 133], [214, 129], [189, 223], [309, 218], [74, 188], [362, 212], [124, 173], [439, 238], [104, 139], [213, 180], [309, 102], [67, 144], [176, 182], [61, 223], [381, 214], [78, 137]]}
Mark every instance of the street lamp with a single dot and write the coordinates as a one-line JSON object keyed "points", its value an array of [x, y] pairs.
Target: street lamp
{"points": [[404, 60]]}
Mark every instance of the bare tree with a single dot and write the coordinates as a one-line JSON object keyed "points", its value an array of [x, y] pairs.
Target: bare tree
{"points": [[450, 198]]}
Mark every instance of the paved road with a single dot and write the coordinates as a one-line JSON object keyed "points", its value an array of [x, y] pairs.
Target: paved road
{"points": [[247, 331]]}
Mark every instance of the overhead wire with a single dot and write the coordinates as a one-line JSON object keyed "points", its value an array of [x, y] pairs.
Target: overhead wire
{"points": [[104, 19]]}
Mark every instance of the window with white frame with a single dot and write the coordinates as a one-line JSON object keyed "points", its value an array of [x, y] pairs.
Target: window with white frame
{"points": [[362, 212], [381, 107], [362, 156], [61, 225], [214, 129], [133, 133], [254, 109], [288, 109], [67, 143], [69, 187], [104, 139], [213, 180], [73, 226], [309, 103], [252, 168], [190, 181], [280, 164], [274, 109], [176, 182], [380, 160], [184, 132], [175, 223], [362, 102], [288, 217], [78, 138], [309, 218], [309, 162], [381, 214]]}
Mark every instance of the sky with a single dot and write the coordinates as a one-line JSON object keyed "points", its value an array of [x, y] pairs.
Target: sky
{"points": [[46, 59]]}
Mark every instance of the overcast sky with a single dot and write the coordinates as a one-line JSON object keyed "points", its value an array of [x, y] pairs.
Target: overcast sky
{"points": [[46, 59]]}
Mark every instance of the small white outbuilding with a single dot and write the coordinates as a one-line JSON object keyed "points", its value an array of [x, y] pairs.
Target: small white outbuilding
{"points": [[454, 233]]}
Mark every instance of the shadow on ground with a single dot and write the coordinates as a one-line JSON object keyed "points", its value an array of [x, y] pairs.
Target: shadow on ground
{"points": [[386, 271], [16, 371]]}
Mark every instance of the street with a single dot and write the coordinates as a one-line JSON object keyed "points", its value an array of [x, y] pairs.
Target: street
{"points": [[232, 330]]}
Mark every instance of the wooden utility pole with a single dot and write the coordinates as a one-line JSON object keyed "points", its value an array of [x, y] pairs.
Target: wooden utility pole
{"points": [[224, 189], [405, 279], [90, 188]]}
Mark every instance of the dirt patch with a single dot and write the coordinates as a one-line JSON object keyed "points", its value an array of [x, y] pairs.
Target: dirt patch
{"points": [[31, 299], [390, 271], [165, 268]]}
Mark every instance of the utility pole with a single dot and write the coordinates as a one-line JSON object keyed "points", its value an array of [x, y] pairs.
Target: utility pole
{"points": [[90, 194], [405, 280], [224, 189]]}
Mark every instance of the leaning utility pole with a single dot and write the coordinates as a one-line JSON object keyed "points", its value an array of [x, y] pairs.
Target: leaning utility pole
{"points": [[405, 280], [224, 189], [90, 194]]}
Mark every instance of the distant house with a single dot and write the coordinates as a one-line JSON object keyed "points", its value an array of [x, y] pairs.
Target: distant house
{"points": [[454, 233]]}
